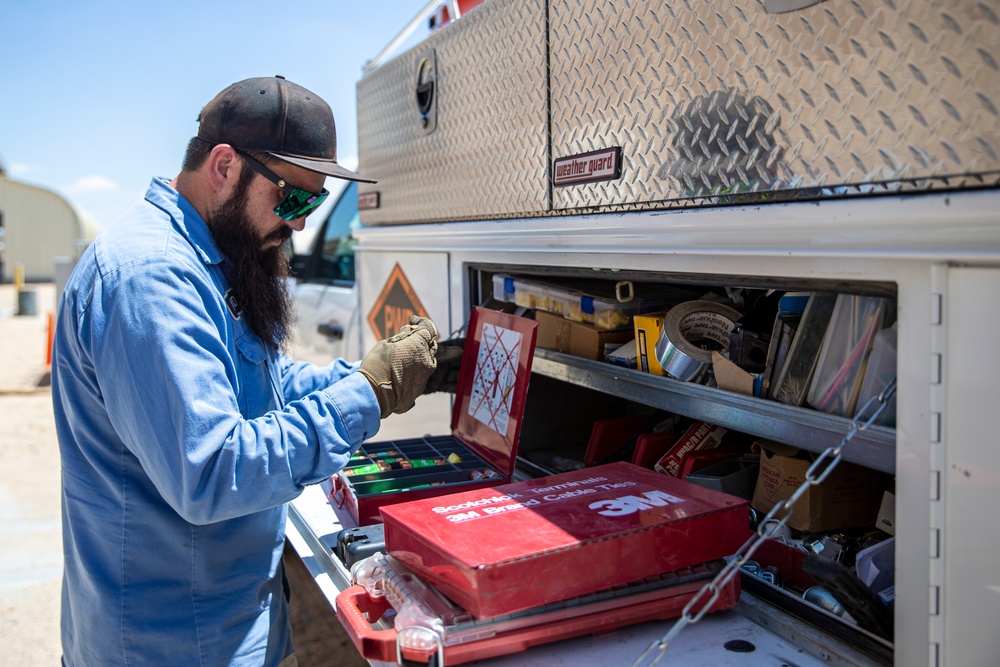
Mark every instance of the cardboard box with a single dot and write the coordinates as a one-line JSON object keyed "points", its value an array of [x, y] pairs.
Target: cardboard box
{"points": [[580, 339], [624, 356], [848, 498], [518, 546], [700, 435], [730, 377], [486, 424], [647, 329]]}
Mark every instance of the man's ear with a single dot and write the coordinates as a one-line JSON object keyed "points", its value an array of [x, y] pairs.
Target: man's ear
{"points": [[224, 167]]}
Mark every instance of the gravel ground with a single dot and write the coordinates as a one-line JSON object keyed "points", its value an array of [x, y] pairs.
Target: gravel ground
{"points": [[30, 537]]}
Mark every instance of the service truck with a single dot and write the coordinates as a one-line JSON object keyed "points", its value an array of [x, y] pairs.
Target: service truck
{"points": [[740, 149]]}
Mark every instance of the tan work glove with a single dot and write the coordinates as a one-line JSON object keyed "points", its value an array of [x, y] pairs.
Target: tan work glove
{"points": [[399, 366]]}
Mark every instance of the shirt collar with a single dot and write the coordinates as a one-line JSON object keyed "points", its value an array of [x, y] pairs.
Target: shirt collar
{"points": [[186, 219]]}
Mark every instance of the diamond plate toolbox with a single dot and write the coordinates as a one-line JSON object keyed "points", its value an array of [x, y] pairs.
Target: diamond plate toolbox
{"points": [[571, 106], [721, 100], [483, 150]]}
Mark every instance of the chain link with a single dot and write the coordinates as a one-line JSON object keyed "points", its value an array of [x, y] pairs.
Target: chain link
{"points": [[820, 469]]}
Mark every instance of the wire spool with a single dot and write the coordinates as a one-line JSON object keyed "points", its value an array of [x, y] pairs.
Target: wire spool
{"points": [[691, 332]]}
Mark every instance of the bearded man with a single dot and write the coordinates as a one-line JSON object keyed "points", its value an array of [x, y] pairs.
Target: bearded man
{"points": [[183, 429]]}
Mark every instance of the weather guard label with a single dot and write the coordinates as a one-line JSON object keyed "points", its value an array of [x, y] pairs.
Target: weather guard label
{"points": [[602, 165]]}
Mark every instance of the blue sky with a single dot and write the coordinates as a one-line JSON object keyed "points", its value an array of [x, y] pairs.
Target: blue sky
{"points": [[99, 97]]}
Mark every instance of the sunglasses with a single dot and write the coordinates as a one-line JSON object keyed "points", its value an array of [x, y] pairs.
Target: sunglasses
{"points": [[296, 202]]}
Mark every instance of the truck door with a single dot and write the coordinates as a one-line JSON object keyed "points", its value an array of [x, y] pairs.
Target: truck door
{"points": [[325, 292]]}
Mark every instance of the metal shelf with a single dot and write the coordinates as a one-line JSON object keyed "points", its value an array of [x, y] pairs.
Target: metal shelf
{"points": [[815, 431]]}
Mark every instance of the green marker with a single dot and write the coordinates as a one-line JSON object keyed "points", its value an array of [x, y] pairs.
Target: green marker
{"points": [[426, 463], [363, 470], [409, 488]]}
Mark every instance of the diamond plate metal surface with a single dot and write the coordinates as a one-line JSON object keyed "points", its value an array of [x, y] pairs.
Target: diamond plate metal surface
{"points": [[717, 101], [488, 156]]}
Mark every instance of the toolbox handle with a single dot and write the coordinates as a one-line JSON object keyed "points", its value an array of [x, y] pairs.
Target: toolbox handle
{"points": [[354, 609], [337, 494]]}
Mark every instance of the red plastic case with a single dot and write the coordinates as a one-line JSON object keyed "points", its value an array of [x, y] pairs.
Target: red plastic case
{"points": [[517, 546], [428, 629], [486, 423]]}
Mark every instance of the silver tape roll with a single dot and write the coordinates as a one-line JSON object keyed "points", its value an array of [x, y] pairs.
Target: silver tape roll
{"points": [[688, 329]]}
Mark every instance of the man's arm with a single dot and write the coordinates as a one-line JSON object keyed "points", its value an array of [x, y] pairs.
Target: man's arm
{"points": [[299, 378], [170, 385]]}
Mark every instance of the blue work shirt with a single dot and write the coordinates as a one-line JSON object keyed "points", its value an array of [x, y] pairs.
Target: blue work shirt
{"points": [[182, 437]]}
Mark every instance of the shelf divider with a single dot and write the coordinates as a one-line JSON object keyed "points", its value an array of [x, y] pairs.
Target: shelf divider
{"points": [[808, 429]]}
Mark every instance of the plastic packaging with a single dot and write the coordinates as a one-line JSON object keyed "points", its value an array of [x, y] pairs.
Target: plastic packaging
{"points": [[836, 382], [606, 307], [880, 372]]}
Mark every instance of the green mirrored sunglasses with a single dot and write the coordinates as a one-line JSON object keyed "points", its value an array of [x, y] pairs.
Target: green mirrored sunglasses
{"points": [[296, 202]]}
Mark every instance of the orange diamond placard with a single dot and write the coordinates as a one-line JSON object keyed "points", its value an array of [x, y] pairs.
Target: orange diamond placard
{"points": [[394, 306]]}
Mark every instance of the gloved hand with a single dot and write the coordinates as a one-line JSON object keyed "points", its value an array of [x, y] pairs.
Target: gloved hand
{"points": [[399, 366], [449, 359]]}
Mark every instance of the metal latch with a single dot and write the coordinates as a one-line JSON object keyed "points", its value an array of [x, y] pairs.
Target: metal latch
{"points": [[426, 90]]}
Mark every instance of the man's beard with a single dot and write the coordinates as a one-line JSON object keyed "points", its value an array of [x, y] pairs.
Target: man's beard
{"points": [[257, 277]]}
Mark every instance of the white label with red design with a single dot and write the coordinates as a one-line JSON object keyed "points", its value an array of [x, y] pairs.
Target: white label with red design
{"points": [[495, 377], [602, 165], [368, 201]]}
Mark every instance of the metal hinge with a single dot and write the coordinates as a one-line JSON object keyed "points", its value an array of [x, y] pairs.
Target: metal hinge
{"points": [[936, 465]]}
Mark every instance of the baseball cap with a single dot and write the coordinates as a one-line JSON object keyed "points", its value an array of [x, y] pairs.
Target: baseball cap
{"points": [[275, 116]]}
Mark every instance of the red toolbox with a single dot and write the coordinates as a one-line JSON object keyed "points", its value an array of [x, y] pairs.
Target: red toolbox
{"points": [[517, 546], [486, 422], [429, 629]]}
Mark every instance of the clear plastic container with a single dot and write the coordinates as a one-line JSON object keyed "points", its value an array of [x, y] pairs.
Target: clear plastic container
{"points": [[503, 287], [606, 307], [530, 294]]}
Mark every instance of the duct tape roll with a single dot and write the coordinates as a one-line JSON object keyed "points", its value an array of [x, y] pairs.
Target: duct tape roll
{"points": [[691, 332]]}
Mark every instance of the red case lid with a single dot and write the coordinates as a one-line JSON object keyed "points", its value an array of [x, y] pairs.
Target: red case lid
{"points": [[493, 385]]}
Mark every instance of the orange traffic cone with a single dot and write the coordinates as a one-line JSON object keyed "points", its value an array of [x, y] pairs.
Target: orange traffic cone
{"points": [[50, 339]]}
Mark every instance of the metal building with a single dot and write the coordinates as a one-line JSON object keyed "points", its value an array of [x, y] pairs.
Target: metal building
{"points": [[37, 226]]}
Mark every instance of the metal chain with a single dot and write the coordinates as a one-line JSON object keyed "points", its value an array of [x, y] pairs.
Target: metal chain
{"points": [[817, 473]]}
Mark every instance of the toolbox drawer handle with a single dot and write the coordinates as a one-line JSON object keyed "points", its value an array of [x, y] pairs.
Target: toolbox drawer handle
{"points": [[426, 90], [353, 604]]}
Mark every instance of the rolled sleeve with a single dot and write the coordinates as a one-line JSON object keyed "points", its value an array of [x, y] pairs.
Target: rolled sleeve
{"points": [[299, 378]]}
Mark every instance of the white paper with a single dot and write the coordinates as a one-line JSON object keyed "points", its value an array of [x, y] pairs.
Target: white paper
{"points": [[495, 377], [876, 565]]}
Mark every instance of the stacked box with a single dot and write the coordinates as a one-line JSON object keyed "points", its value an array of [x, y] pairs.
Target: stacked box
{"points": [[518, 546]]}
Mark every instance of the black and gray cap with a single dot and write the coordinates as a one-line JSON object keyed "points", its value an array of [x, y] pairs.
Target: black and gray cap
{"points": [[277, 117]]}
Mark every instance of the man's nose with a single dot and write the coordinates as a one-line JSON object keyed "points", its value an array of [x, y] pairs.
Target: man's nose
{"points": [[298, 224]]}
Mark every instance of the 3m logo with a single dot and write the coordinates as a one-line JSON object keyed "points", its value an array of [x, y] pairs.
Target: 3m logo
{"points": [[394, 306], [632, 504]]}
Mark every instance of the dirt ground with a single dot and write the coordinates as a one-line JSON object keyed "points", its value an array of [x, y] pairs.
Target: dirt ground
{"points": [[30, 530]]}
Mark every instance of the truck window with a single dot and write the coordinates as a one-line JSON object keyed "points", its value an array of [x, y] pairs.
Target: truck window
{"points": [[336, 252]]}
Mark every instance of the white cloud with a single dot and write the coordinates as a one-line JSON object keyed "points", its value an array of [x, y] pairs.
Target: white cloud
{"points": [[92, 183]]}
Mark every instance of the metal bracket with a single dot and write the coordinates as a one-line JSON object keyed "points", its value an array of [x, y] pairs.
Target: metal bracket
{"points": [[936, 463]]}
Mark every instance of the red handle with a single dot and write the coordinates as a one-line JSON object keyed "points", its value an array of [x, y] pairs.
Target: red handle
{"points": [[694, 461], [336, 494], [357, 611]]}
